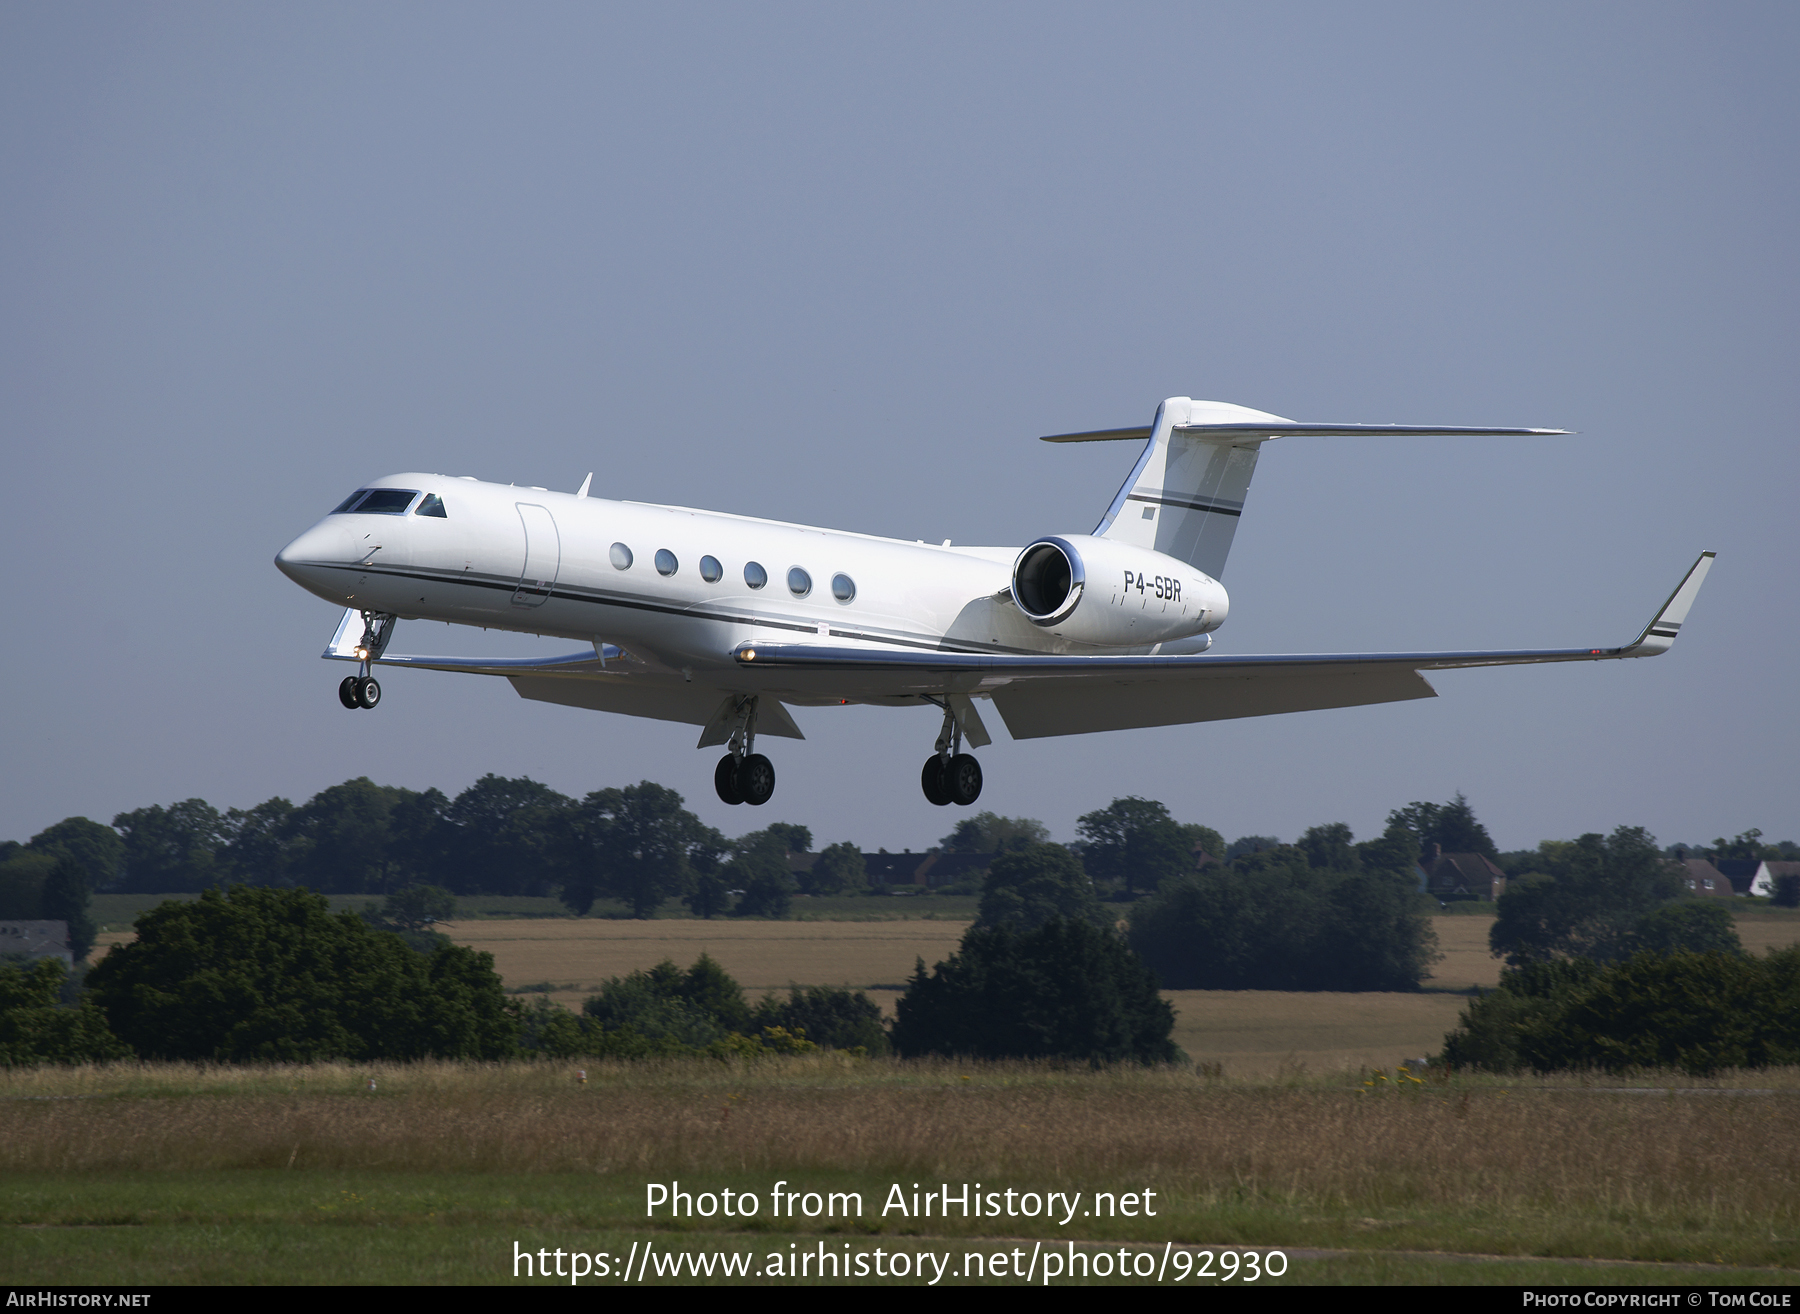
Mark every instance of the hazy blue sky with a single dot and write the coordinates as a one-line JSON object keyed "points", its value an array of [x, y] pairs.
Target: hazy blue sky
{"points": [[841, 263]]}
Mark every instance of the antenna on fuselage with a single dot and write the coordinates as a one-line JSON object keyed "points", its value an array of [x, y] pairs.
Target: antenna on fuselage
{"points": [[582, 491]]}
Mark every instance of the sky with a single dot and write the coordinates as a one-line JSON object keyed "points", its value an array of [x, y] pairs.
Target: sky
{"points": [[841, 264]]}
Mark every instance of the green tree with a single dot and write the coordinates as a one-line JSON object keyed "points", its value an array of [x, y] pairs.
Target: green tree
{"points": [[794, 838], [989, 832], [22, 880], [709, 891], [1697, 1012], [65, 899], [691, 1009], [1330, 848], [1747, 846], [831, 1016], [1698, 926], [1452, 826], [1028, 887], [759, 867], [1396, 852], [1271, 921], [1067, 989], [1134, 843], [172, 850], [418, 907], [1204, 839], [838, 867], [33, 1029], [261, 844], [96, 849], [1589, 906], [252, 974], [1492, 1030], [515, 836], [633, 844]]}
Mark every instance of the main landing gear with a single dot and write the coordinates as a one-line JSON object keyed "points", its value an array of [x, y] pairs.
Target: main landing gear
{"points": [[951, 775], [362, 691], [744, 776]]}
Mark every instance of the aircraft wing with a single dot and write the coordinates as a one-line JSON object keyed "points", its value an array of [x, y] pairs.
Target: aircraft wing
{"points": [[1040, 696]]}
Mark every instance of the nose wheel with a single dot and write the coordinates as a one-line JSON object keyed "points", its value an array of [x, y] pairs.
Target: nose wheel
{"points": [[744, 776], [361, 691], [950, 775]]}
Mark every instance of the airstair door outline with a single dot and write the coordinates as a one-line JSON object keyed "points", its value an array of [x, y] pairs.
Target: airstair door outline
{"points": [[543, 555]]}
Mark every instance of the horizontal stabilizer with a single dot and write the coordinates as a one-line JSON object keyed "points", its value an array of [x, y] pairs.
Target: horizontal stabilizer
{"points": [[1295, 429]]}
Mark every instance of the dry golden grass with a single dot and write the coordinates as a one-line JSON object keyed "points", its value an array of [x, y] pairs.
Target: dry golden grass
{"points": [[1261, 1033]]}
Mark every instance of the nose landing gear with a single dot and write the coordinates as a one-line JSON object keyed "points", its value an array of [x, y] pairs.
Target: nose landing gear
{"points": [[362, 691], [742, 775], [950, 775]]}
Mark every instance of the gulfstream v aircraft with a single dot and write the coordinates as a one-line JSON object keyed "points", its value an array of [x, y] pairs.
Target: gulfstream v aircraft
{"points": [[725, 622]]}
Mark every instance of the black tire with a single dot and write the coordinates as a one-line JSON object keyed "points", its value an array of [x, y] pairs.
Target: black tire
{"points": [[347, 692], [756, 779], [931, 780], [368, 693], [725, 780], [962, 779]]}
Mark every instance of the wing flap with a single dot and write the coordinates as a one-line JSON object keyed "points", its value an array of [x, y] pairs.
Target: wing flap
{"points": [[1037, 709]]}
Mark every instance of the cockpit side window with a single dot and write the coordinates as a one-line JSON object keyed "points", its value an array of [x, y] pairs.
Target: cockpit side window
{"points": [[433, 505], [378, 502]]}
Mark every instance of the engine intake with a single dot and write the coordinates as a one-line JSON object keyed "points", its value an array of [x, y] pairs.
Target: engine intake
{"points": [[1047, 580]]}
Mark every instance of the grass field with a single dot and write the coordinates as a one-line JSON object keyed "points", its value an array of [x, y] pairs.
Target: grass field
{"points": [[177, 1174]]}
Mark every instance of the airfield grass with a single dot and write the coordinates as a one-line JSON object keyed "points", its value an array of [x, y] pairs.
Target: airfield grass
{"points": [[174, 1173]]}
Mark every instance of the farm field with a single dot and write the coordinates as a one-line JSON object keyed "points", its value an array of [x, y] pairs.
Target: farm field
{"points": [[303, 1174]]}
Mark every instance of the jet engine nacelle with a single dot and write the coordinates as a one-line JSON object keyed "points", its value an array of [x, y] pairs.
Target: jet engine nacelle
{"points": [[1109, 594]]}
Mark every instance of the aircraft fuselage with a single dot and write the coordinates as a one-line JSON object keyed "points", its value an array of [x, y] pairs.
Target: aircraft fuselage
{"points": [[679, 588]]}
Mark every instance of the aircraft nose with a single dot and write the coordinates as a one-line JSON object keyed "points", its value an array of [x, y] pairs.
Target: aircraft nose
{"points": [[319, 546]]}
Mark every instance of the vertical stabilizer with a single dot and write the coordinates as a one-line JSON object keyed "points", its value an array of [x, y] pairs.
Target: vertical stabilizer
{"points": [[1187, 491]]}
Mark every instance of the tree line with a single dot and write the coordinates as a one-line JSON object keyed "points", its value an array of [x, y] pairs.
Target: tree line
{"points": [[252, 975]]}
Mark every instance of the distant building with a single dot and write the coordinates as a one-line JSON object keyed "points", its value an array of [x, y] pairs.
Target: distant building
{"points": [[1448, 877], [1763, 882], [37, 939], [1704, 878]]}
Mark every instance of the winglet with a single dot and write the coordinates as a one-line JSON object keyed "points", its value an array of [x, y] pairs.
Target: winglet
{"points": [[1659, 635]]}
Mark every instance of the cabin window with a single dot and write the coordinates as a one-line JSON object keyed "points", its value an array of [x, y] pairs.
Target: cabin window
{"points": [[710, 570], [620, 556], [433, 505], [378, 502], [799, 582], [754, 575], [843, 588], [665, 562]]}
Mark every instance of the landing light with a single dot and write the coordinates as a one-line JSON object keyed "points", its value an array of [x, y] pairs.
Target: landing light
{"points": [[749, 654]]}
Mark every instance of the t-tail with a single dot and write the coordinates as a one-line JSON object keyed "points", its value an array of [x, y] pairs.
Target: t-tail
{"points": [[1186, 493]]}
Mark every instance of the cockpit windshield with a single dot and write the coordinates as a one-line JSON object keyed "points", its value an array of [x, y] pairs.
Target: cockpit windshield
{"points": [[377, 502], [433, 505]]}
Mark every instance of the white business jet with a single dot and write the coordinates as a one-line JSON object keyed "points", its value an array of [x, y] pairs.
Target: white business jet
{"points": [[726, 621]]}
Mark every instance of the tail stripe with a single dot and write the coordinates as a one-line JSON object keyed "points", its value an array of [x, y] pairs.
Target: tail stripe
{"points": [[1161, 498]]}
